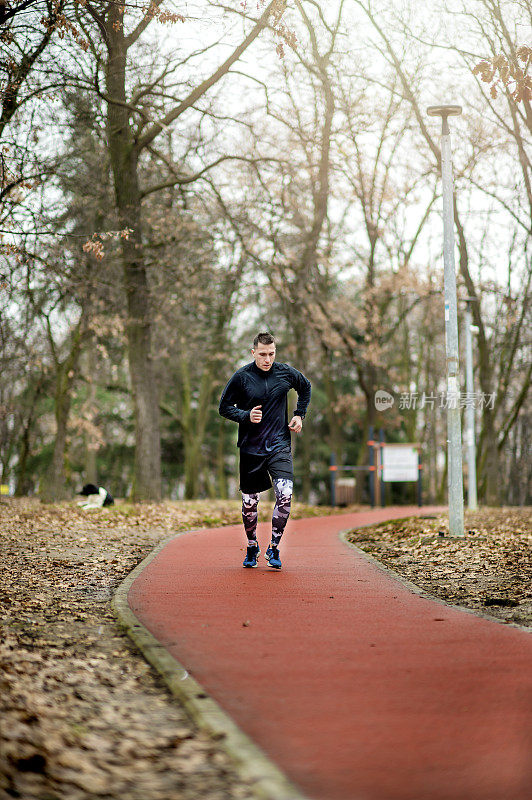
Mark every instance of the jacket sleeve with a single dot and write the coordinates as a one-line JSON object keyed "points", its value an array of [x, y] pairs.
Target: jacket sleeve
{"points": [[229, 400], [303, 388]]}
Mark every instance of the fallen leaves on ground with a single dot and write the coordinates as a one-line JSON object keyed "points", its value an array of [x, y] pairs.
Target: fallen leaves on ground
{"points": [[82, 714], [489, 569]]}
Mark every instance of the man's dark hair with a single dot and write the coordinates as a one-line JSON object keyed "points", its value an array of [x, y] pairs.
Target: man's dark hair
{"points": [[263, 338]]}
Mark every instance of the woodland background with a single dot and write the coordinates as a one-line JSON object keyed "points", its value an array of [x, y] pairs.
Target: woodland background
{"points": [[176, 176]]}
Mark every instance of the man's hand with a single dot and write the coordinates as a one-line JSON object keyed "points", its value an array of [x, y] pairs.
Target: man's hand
{"points": [[255, 415], [296, 424]]}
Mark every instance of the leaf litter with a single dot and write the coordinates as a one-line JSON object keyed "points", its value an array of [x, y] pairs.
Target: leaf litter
{"points": [[488, 570], [82, 715]]}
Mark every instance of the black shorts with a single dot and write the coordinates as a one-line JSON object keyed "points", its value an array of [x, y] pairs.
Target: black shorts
{"points": [[257, 472]]}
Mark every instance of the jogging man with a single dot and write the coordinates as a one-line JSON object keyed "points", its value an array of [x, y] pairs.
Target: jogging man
{"points": [[255, 397]]}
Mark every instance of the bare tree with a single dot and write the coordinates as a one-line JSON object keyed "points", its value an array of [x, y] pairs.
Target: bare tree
{"points": [[492, 431], [132, 132]]}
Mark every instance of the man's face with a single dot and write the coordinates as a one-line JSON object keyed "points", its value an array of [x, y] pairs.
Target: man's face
{"points": [[264, 356]]}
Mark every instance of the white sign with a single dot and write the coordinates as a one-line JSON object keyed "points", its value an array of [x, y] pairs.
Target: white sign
{"points": [[399, 462]]}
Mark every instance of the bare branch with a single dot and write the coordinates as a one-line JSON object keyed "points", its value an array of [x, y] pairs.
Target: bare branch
{"points": [[205, 85], [181, 180]]}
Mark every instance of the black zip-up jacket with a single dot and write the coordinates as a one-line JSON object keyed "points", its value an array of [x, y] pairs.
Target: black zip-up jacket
{"points": [[251, 386]]}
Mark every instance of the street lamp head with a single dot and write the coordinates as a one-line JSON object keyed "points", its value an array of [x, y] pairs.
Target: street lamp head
{"points": [[444, 112]]}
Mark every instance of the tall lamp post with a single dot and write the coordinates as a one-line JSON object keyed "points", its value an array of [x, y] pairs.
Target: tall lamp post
{"points": [[454, 433], [470, 410]]}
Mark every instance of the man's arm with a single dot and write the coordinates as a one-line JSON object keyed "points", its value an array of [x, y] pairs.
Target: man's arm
{"points": [[303, 389], [229, 400]]}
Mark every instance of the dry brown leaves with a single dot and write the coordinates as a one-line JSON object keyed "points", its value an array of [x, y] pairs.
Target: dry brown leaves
{"points": [[488, 570], [82, 714]]}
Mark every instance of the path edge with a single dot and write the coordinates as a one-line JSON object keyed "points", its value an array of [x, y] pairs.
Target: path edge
{"points": [[413, 587], [252, 765]]}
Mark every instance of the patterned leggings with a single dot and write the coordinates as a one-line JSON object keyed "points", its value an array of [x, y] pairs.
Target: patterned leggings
{"points": [[283, 488]]}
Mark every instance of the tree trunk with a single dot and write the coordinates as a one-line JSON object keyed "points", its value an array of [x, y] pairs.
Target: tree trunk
{"points": [[335, 431], [302, 445], [191, 465], [124, 164], [91, 471], [306, 458], [147, 475], [220, 462], [53, 486], [430, 464], [489, 460], [368, 381], [22, 486], [193, 422], [4, 471]]}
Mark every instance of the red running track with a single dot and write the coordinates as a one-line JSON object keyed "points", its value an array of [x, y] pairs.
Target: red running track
{"points": [[358, 688]]}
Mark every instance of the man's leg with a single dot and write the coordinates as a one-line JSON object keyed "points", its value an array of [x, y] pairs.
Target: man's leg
{"points": [[250, 503], [283, 488], [283, 497], [250, 515]]}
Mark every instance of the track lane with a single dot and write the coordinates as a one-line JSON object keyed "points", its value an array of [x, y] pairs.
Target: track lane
{"points": [[356, 687]]}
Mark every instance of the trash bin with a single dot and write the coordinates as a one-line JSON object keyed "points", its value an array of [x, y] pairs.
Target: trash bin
{"points": [[345, 491]]}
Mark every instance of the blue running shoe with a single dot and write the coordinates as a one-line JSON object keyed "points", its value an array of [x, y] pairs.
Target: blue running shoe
{"points": [[272, 557], [251, 557]]}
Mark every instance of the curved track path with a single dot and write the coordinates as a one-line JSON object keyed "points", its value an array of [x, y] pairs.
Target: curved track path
{"points": [[357, 687]]}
